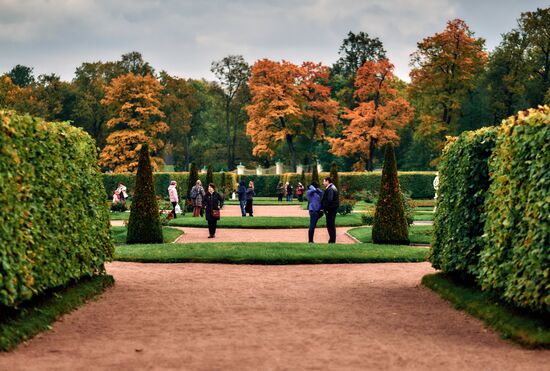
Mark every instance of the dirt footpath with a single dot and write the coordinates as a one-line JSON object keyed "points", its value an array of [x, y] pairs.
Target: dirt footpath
{"points": [[237, 317]]}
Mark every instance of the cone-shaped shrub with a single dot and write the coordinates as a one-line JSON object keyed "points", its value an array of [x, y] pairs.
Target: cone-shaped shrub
{"points": [[303, 178], [314, 171], [390, 225], [144, 223], [193, 177], [334, 176], [210, 176]]}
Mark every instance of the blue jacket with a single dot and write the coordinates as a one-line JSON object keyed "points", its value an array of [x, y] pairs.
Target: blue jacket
{"points": [[241, 191], [314, 197]]}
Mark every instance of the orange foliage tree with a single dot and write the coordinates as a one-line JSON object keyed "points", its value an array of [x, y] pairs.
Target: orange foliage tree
{"points": [[137, 119], [288, 101], [378, 115], [445, 68]]}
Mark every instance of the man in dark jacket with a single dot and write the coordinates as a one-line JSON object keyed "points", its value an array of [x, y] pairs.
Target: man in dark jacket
{"points": [[330, 203], [241, 191]]}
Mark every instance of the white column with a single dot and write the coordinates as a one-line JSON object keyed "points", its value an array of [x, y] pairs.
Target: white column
{"points": [[278, 168], [240, 169], [259, 170]]}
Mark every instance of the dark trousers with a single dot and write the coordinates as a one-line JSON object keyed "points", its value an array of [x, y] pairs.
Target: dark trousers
{"points": [[280, 197], [174, 209], [331, 225], [248, 207], [212, 224], [301, 198], [313, 218]]}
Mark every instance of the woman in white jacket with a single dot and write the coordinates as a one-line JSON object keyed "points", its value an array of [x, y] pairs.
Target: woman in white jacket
{"points": [[173, 193]]}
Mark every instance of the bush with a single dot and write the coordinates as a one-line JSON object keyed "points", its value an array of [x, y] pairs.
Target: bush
{"points": [[515, 261], [408, 207], [390, 225], [118, 207], [144, 223], [346, 206], [459, 218], [55, 221], [367, 218]]}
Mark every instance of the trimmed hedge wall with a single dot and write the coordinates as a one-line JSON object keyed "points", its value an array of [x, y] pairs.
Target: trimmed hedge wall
{"points": [[516, 258], [460, 217], [55, 223], [418, 183]]}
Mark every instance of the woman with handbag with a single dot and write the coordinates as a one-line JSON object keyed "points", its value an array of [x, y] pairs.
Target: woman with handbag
{"points": [[213, 202]]}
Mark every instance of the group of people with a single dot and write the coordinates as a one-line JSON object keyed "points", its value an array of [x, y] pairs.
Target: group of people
{"points": [[120, 195], [246, 197], [286, 190], [323, 203]]}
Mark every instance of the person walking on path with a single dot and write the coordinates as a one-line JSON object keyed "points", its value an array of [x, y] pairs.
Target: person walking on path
{"points": [[241, 191], [249, 197], [173, 193], [213, 202], [314, 206], [329, 204], [300, 192], [197, 194], [288, 192], [122, 192], [280, 191]]}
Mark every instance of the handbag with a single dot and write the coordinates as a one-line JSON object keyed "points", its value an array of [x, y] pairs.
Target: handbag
{"points": [[177, 209], [216, 214]]}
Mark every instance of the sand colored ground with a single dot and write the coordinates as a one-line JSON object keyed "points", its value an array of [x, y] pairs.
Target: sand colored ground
{"points": [[238, 317]]}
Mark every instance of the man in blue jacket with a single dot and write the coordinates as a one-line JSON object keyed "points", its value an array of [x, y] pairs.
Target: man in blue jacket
{"points": [[241, 191], [314, 206], [329, 204]]}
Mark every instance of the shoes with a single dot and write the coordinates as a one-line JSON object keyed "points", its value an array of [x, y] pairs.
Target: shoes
{"points": [[210, 236]]}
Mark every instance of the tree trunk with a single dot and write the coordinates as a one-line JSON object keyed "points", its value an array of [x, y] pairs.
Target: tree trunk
{"points": [[370, 159], [186, 151], [228, 133]]}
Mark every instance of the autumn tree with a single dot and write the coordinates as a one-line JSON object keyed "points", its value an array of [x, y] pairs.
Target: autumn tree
{"points": [[137, 119], [232, 73], [378, 115], [445, 68], [275, 111]]}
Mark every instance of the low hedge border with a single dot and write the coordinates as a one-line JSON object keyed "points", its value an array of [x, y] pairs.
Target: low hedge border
{"points": [[20, 324], [527, 329]]}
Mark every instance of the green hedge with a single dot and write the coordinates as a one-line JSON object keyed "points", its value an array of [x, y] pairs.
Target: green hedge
{"points": [[162, 181], [459, 217], [516, 258], [55, 223]]}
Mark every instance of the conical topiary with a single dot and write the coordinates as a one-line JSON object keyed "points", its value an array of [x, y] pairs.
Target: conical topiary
{"points": [[390, 224], [193, 177], [334, 176], [314, 171], [303, 178], [209, 175], [144, 223]]}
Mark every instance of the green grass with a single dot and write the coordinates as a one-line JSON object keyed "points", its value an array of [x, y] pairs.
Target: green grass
{"points": [[527, 329], [269, 253], [421, 234], [168, 234], [265, 222], [36, 316]]}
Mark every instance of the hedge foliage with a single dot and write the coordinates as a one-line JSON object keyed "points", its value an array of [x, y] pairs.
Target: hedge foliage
{"points": [[515, 260], [493, 212], [55, 221], [459, 217]]}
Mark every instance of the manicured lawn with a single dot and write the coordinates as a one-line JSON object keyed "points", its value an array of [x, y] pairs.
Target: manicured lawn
{"points": [[119, 234], [36, 316], [267, 201], [269, 253], [265, 222], [529, 329], [421, 234]]}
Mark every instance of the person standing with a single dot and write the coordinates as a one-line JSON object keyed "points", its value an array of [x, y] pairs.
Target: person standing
{"points": [[329, 204], [173, 193], [197, 195], [249, 197], [213, 203], [288, 192], [122, 193], [300, 192], [280, 191], [241, 191], [314, 196]]}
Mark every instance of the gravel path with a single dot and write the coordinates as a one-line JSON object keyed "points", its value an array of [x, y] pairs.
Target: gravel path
{"points": [[237, 317]]}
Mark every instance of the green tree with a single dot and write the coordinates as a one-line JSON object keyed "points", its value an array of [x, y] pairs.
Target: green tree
{"points": [[390, 224], [334, 176], [209, 175], [314, 171], [22, 76], [144, 222], [193, 177]]}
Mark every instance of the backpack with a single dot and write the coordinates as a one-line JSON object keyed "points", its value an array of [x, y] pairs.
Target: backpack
{"points": [[194, 193]]}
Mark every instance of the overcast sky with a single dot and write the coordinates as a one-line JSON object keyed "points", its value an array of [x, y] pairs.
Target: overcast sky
{"points": [[184, 37]]}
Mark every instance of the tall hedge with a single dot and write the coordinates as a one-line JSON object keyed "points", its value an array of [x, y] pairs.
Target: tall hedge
{"points": [[192, 179], [390, 224], [460, 214], [55, 223], [144, 222], [515, 261]]}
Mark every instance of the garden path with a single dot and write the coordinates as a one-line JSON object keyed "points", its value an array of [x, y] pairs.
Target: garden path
{"points": [[252, 317]]}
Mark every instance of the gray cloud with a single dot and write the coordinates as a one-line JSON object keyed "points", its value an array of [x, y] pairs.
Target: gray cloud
{"points": [[184, 37]]}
